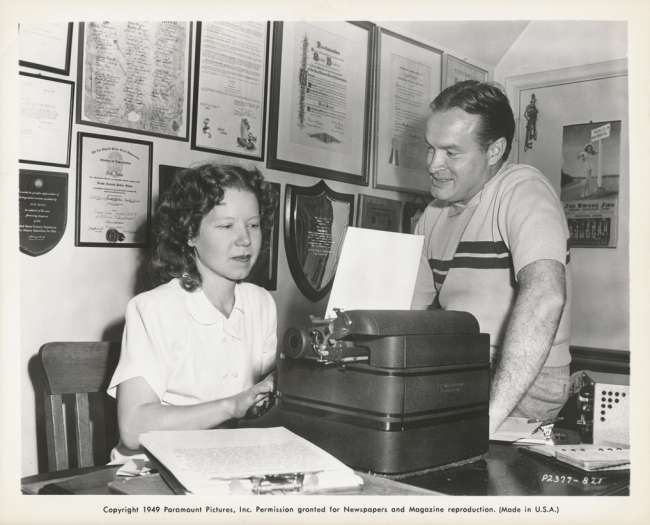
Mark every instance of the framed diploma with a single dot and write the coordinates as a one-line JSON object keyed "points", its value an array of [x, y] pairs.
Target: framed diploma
{"points": [[45, 120], [113, 191], [45, 46], [457, 70], [409, 79], [135, 76], [230, 88], [320, 99], [265, 271], [378, 213], [315, 221]]}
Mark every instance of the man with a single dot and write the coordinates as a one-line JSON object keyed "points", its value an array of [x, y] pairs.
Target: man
{"points": [[496, 246]]}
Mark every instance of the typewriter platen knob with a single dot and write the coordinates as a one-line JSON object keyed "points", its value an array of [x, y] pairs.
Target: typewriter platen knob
{"points": [[297, 342]]}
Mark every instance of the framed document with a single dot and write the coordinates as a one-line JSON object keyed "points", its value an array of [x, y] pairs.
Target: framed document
{"points": [[265, 271], [411, 213], [113, 191], [45, 46], [457, 70], [409, 79], [135, 76], [315, 221], [166, 175], [320, 99], [230, 88], [45, 120], [378, 213]]}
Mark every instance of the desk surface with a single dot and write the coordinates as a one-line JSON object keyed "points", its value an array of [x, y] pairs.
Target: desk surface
{"points": [[102, 480], [507, 470]]}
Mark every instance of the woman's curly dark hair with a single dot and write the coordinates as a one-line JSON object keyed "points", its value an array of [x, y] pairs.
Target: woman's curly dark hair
{"points": [[191, 196]]}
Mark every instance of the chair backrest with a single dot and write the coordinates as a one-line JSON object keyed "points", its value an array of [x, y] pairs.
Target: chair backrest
{"points": [[81, 423]]}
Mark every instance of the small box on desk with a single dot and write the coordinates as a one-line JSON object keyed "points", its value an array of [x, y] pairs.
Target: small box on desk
{"points": [[388, 391], [603, 408]]}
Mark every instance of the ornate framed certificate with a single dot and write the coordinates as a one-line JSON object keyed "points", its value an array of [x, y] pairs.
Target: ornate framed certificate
{"points": [[45, 120], [230, 88], [46, 46], [457, 70], [315, 221], [378, 213], [113, 191], [409, 79], [321, 84], [135, 76]]}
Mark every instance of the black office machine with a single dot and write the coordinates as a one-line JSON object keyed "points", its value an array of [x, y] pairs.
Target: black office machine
{"points": [[388, 391]]}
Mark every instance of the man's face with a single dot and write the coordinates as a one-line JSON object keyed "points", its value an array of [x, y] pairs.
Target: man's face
{"points": [[457, 163]]}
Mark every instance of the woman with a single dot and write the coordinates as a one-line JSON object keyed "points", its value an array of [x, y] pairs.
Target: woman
{"points": [[194, 348]]}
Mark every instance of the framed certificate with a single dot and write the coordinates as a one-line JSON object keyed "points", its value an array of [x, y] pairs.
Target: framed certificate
{"points": [[411, 213], [230, 88], [409, 79], [113, 191], [135, 76], [45, 120], [378, 213], [45, 46], [265, 271], [166, 176], [320, 99], [457, 70]]}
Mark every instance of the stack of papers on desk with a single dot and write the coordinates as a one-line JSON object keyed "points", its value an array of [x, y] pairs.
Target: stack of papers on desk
{"points": [[519, 430], [229, 461], [587, 457]]}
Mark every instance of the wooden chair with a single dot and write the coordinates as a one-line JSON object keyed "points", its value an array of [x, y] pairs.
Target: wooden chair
{"points": [[81, 420]]}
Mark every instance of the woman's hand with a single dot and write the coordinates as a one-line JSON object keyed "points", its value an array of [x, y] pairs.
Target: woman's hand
{"points": [[255, 395]]}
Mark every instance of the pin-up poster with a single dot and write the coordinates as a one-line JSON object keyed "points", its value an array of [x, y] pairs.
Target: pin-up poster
{"points": [[590, 182]]}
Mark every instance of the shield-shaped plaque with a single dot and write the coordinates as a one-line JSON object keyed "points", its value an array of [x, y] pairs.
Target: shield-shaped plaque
{"points": [[316, 219], [43, 208]]}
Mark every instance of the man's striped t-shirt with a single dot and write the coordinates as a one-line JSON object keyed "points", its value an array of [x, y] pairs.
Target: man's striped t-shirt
{"points": [[477, 250]]}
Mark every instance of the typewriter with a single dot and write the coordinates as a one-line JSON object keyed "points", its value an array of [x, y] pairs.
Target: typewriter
{"points": [[388, 391]]}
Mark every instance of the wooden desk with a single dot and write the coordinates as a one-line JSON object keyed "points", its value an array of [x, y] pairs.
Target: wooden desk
{"points": [[509, 470], [506, 471]]}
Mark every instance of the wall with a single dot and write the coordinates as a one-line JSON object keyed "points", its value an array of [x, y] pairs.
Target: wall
{"points": [[600, 315], [546, 45]]}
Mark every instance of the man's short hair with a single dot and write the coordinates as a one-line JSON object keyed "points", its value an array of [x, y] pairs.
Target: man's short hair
{"points": [[486, 100]]}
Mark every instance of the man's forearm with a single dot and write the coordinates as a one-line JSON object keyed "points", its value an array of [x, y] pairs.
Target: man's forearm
{"points": [[529, 336]]}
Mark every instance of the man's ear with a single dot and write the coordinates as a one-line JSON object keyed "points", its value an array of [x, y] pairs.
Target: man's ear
{"points": [[496, 150]]}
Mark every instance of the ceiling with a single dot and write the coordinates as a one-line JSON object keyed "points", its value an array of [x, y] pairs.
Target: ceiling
{"points": [[483, 41]]}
